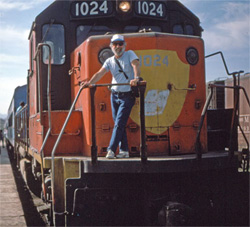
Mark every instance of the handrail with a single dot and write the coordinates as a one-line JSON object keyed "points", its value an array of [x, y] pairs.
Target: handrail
{"points": [[40, 45], [144, 154], [235, 122], [49, 78], [57, 142], [94, 150], [224, 62], [192, 87], [38, 83], [142, 87], [93, 133], [203, 114]]}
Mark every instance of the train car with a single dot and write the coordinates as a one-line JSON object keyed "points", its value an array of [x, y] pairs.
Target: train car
{"points": [[222, 102], [20, 95], [171, 178], [244, 111]]}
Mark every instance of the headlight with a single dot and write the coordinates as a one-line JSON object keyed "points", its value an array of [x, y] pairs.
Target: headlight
{"points": [[124, 6], [192, 56], [105, 54]]}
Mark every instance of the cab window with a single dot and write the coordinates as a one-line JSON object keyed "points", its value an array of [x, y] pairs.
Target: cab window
{"points": [[84, 31], [54, 36]]}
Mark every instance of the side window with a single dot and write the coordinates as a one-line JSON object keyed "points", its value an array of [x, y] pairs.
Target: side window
{"points": [[54, 36], [177, 29], [10, 120], [189, 30]]}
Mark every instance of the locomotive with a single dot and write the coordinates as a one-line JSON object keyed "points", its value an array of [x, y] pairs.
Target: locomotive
{"points": [[171, 177]]}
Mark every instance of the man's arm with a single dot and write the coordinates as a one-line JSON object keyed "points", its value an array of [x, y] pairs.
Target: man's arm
{"points": [[96, 77], [137, 72], [136, 66]]}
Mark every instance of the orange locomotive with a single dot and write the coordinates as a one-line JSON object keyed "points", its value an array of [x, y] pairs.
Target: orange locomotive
{"points": [[70, 127], [173, 98]]}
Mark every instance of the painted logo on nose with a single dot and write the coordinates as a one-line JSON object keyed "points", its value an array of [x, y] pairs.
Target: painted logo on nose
{"points": [[162, 104]]}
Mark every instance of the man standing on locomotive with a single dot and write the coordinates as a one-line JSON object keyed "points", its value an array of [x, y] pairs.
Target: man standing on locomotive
{"points": [[125, 68]]}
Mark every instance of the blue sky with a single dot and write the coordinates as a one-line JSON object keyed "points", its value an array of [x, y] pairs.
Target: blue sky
{"points": [[226, 25]]}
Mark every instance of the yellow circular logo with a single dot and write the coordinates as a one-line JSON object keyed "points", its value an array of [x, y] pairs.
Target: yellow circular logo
{"points": [[165, 74]]}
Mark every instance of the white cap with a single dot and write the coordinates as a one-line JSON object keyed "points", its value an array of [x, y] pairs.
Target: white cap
{"points": [[117, 38]]}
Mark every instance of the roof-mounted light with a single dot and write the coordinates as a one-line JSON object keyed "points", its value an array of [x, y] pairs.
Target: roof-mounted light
{"points": [[124, 6]]}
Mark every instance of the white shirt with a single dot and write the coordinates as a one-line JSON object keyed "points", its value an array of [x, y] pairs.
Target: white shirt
{"points": [[119, 77]]}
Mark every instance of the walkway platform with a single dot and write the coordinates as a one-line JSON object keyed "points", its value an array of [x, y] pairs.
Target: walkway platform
{"points": [[11, 210]]}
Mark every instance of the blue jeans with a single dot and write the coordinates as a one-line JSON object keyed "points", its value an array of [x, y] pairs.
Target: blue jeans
{"points": [[121, 104]]}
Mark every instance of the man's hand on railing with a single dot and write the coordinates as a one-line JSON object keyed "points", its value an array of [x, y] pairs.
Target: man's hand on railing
{"points": [[85, 84], [134, 82]]}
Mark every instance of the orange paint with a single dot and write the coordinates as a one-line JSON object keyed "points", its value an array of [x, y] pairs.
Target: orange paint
{"points": [[161, 139]]}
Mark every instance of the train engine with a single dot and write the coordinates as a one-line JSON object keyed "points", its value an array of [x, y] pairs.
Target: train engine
{"points": [[70, 126]]}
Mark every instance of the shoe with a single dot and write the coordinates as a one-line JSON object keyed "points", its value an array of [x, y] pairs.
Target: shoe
{"points": [[110, 154], [123, 154]]}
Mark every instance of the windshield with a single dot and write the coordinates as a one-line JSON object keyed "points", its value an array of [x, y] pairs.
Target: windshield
{"points": [[53, 35], [84, 31]]}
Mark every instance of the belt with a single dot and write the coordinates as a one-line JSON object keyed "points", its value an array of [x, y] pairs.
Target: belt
{"points": [[121, 93]]}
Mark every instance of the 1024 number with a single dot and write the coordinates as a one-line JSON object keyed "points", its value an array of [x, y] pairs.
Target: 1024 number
{"points": [[91, 8], [148, 8], [156, 60]]}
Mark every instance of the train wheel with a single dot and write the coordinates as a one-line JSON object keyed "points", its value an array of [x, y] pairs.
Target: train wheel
{"points": [[10, 149], [33, 184], [176, 214], [17, 157]]}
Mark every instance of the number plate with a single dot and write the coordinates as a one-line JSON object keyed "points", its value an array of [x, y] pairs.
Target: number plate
{"points": [[83, 9], [150, 9]]}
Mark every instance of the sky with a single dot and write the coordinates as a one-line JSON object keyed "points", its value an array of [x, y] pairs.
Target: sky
{"points": [[226, 25]]}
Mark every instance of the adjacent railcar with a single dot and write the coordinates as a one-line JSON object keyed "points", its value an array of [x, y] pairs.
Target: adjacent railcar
{"points": [[20, 95], [244, 111], [170, 167], [222, 103]]}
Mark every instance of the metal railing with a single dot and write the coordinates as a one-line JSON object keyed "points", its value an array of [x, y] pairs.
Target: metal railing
{"points": [[235, 117], [224, 62], [94, 156], [37, 56]]}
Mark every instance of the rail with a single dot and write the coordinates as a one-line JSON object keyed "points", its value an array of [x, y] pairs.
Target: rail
{"points": [[40, 45], [203, 114], [224, 62], [235, 122], [141, 85]]}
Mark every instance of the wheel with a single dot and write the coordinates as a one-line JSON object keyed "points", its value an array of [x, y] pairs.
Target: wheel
{"points": [[176, 214]]}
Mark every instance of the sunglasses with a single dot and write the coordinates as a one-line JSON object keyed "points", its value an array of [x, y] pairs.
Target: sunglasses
{"points": [[118, 43]]}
